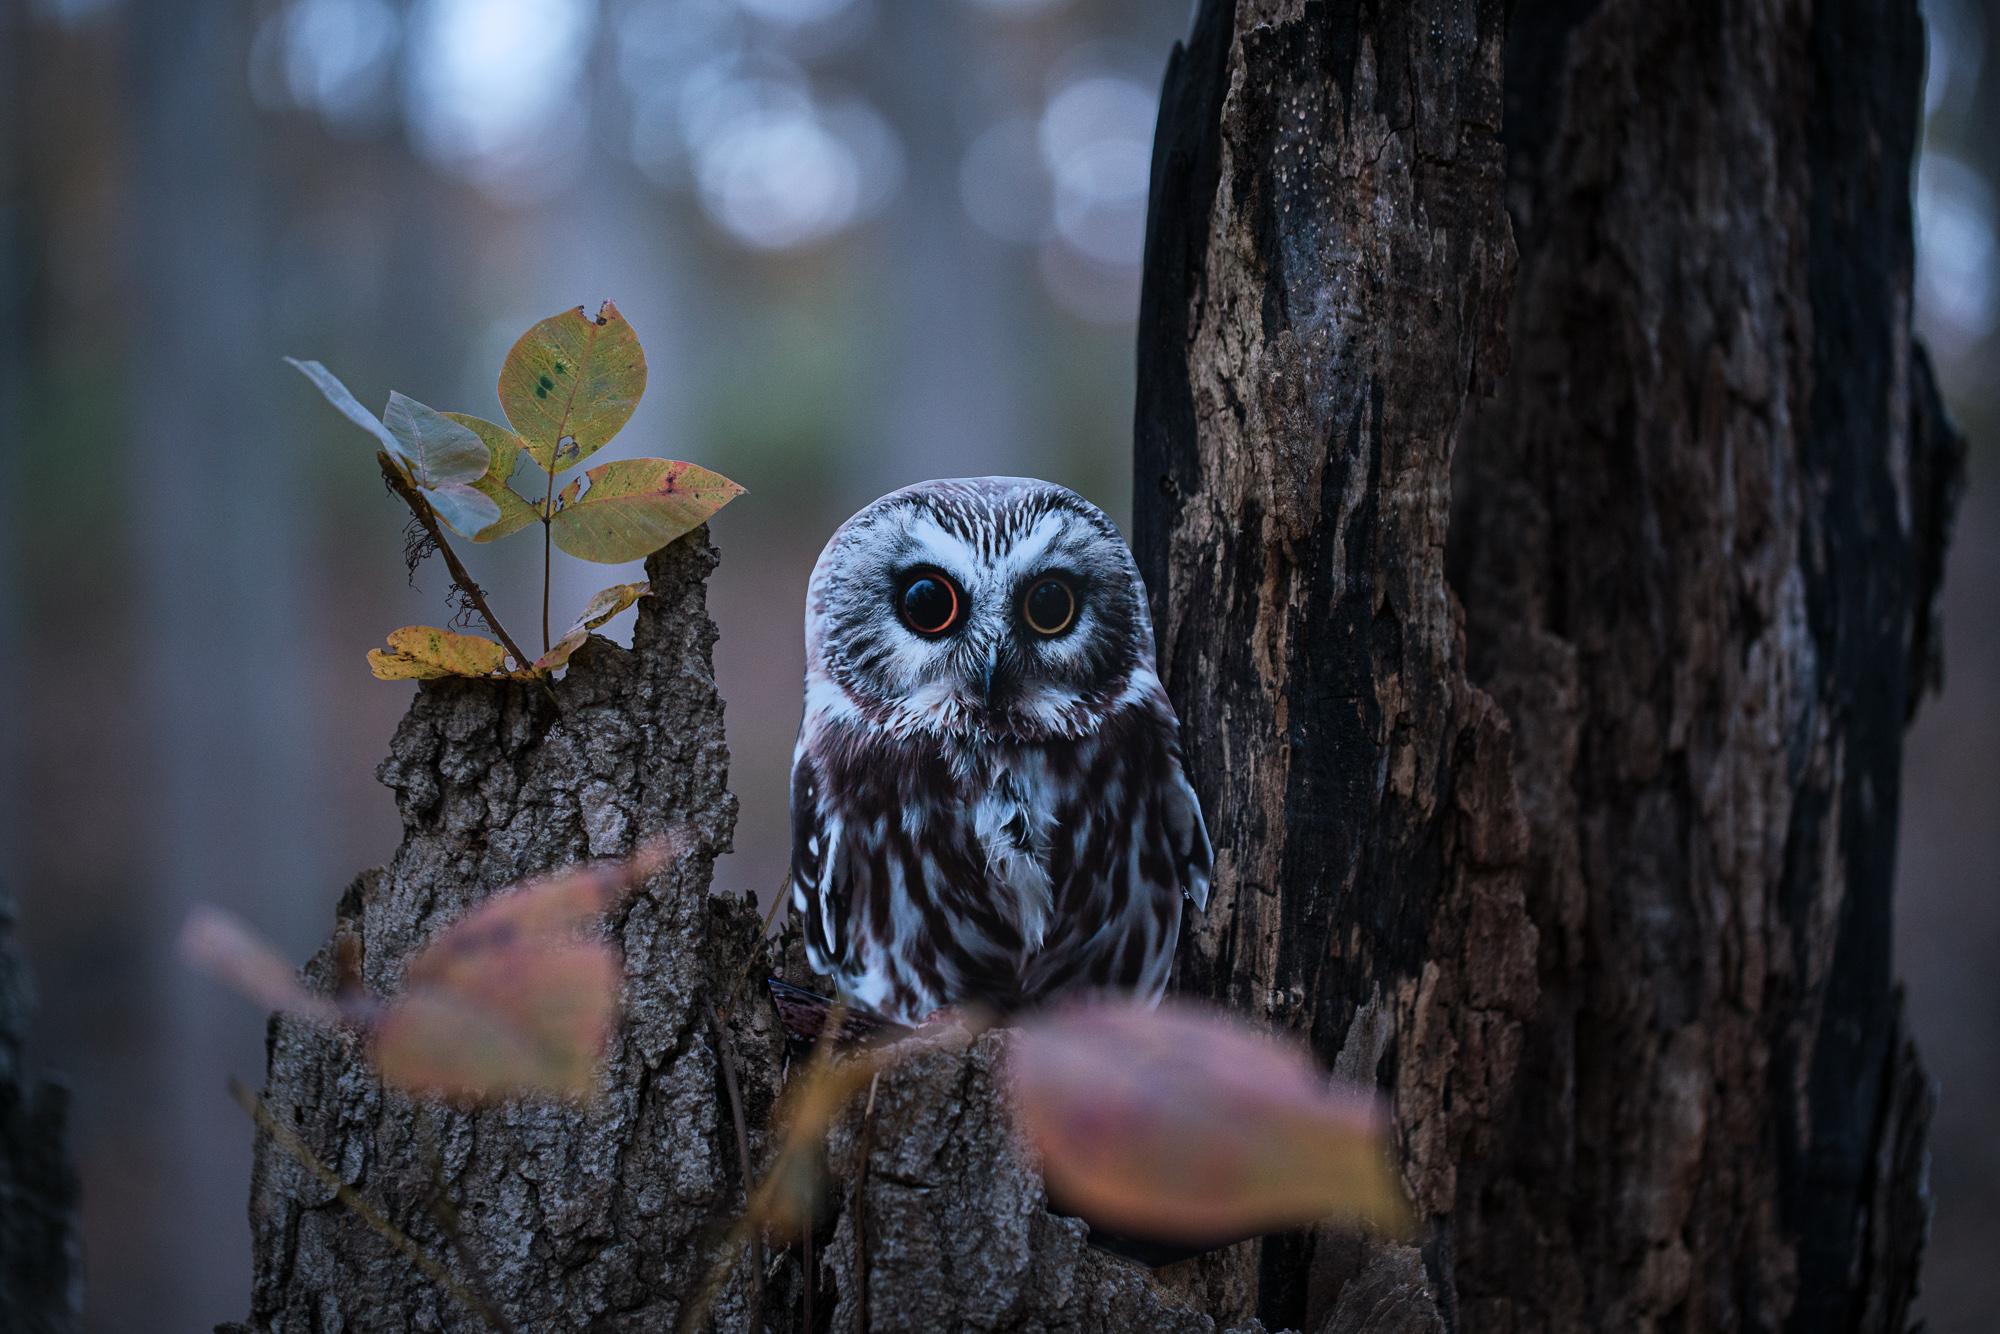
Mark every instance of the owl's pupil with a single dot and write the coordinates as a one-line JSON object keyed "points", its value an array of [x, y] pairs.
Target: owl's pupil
{"points": [[929, 605], [1050, 607]]}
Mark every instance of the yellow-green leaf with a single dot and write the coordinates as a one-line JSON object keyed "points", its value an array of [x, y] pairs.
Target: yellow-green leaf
{"points": [[630, 509], [571, 383], [424, 653], [503, 447], [603, 605]]}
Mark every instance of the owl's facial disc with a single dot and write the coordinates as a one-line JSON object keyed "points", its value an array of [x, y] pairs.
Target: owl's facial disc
{"points": [[985, 608]]}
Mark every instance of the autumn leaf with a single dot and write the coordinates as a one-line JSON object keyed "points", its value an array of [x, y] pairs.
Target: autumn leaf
{"points": [[1182, 1124], [629, 509], [516, 997], [503, 447], [346, 403], [440, 457], [787, 1198], [425, 652], [438, 450], [571, 383], [222, 946], [511, 997], [533, 1020], [603, 605]]}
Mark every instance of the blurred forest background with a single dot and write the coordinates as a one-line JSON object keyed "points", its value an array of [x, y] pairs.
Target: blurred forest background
{"points": [[864, 241]]}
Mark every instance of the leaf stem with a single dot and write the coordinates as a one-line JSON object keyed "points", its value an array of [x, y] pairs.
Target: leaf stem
{"points": [[402, 486], [548, 540]]}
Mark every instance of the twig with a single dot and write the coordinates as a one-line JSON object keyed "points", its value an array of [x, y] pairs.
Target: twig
{"points": [[860, 1205], [778, 901], [445, 1213], [418, 506], [366, 1212], [743, 1159], [812, 1277]]}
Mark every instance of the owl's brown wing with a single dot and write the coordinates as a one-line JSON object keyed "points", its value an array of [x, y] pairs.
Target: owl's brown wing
{"points": [[820, 894]]}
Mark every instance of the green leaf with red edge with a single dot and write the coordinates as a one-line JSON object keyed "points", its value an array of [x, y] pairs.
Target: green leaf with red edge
{"points": [[571, 383], [503, 448], [425, 653], [603, 605], [629, 509], [1182, 1124]]}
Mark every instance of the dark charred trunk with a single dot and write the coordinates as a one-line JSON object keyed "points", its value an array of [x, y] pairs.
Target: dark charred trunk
{"points": [[1583, 849], [41, 1281]]}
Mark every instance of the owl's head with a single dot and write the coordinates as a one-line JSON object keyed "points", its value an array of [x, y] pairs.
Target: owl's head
{"points": [[977, 607]]}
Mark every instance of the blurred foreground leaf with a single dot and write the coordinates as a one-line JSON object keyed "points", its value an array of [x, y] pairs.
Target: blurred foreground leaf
{"points": [[518, 996], [571, 383], [603, 605], [788, 1198], [221, 945], [425, 653], [629, 509], [1182, 1124]]}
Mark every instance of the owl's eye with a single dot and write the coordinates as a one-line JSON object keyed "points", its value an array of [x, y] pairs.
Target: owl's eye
{"points": [[930, 603], [1050, 607]]}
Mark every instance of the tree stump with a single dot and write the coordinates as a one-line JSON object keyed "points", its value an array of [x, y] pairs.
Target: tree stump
{"points": [[605, 1216]]}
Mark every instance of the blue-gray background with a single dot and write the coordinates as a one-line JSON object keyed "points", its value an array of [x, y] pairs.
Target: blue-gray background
{"points": [[865, 242]]}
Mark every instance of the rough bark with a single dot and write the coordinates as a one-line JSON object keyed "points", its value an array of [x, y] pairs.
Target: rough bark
{"points": [[602, 1217], [1598, 885], [1325, 279], [1702, 541], [947, 1227], [41, 1281]]}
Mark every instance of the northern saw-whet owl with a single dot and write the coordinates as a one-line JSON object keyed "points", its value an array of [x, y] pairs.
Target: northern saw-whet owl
{"points": [[988, 801]]}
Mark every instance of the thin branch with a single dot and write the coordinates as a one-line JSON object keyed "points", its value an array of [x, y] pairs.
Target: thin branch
{"points": [[446, 1214], [377, 1222], [402, 486], [859, 1208], [743, 1159]]}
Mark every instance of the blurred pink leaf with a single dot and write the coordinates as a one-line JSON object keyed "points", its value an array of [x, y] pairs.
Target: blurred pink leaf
{"points": [[515, 1017], [225, 948], [1183, 1124], [518, 996]]}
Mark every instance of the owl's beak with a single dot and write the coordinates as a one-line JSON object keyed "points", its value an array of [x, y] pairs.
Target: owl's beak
{"points": [[986, 669], [990, 673]]}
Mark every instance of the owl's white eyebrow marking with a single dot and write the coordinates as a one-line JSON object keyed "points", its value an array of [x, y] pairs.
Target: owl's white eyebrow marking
{"points": [[944, 547], [1033, 545]]}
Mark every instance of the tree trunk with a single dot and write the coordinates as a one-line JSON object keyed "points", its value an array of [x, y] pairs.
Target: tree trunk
{"points": [[1592, 875]]}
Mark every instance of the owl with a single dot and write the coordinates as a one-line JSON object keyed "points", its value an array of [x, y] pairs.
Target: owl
{"points": [[989, 806]]}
